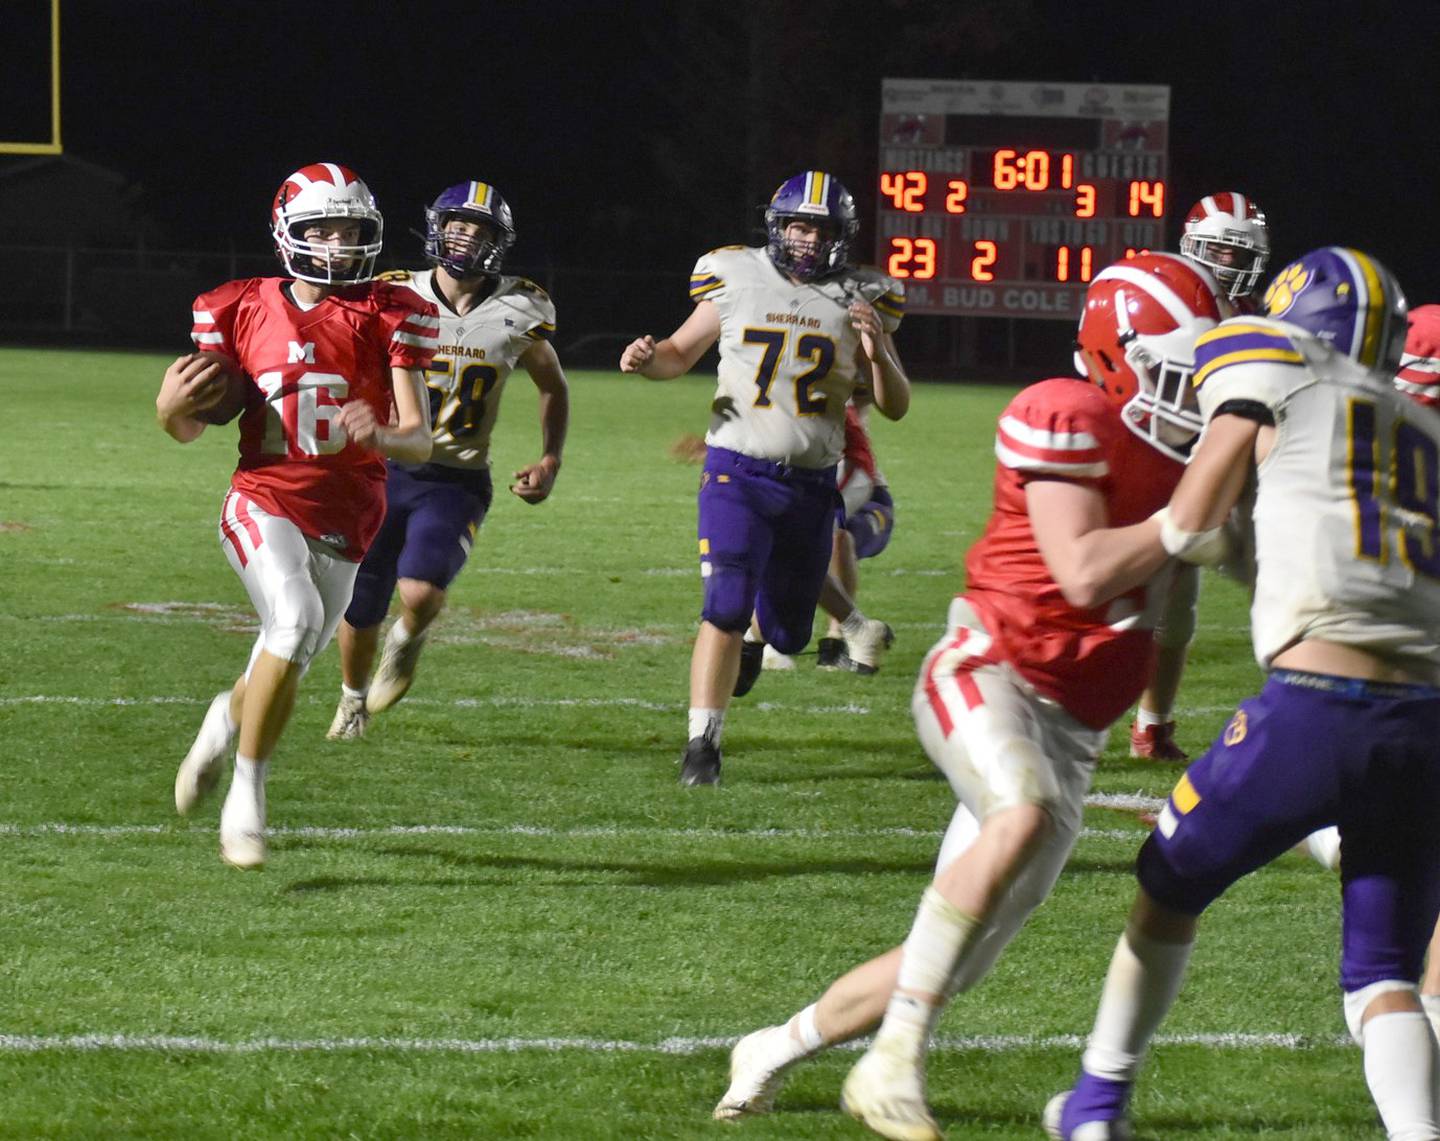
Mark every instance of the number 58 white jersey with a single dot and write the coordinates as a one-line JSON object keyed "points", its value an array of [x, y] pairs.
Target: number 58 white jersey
{"points": [[1347, 542]]}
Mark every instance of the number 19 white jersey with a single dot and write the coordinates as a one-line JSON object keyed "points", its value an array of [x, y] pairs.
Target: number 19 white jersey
{"points": [[1345, 519], [787, 354]]}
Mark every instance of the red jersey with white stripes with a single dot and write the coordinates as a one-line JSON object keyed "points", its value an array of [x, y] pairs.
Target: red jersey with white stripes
{"points": [[1093, 662], [307, 364]]}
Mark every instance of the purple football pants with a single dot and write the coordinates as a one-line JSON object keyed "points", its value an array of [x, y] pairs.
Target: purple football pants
{"points": [[1308, 751], [431, 516], [764, 545]]}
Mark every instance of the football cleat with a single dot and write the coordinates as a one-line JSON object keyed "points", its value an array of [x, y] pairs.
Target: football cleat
{"points": [[199, 772], [885, 1092], [700, 764], [864, 650], [395, 673], [243, 848], [830, 653], [752, 657], [1156, 742], [755, 1079], [773, 659], [351, 719], [1093, 1111]]}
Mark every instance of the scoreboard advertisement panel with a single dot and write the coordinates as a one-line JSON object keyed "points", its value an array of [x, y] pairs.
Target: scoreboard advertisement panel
{"points": [[1006, 199]]}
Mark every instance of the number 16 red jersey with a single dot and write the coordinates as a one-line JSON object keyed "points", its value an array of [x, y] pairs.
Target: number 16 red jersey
{"points": [[295, 461]]}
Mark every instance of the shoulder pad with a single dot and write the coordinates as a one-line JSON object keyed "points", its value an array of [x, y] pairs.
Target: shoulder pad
{"points": [[1243, 340], [525, 285], [397, 276]]}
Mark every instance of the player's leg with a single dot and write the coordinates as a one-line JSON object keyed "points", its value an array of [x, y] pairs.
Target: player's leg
{"points": [[1271, 779], [1390, 878], [982, 728], [200, 771], [445, 517], [359, 632], [1152, 733], [735, 542], [299, 589], [794, 575]]}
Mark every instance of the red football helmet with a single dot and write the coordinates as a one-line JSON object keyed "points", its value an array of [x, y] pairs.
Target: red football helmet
{"points": [[1419, 375], [318, 192], [1228, 235], [1137, 341]]}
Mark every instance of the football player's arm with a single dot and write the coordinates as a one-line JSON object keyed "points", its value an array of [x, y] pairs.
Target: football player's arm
{"points": [[1090, 561], [677, 353], [1215, 477], [408, 438], [880, 363], [533, 482], [188, 389]]}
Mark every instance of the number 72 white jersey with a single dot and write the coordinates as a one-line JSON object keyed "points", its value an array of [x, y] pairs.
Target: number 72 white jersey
{"points": [[787, 354], [1347, 510]]}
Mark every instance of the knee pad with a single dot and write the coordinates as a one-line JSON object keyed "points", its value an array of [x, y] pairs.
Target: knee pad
{"points": [[1356, 1001], [370, 601], [295, 628], [871, 528], [729, 599]]}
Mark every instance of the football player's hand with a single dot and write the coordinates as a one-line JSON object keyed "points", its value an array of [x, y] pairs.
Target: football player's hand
{"points": [[866, 322], [191, 385], [360, 424], [533, 483], [638, 353]]}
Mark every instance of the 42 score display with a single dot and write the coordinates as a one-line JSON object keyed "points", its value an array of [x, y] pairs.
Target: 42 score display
{"points": [[1030, 218]]}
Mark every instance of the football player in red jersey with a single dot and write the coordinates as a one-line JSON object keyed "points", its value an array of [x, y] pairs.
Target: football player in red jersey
{"points": [[1227, 233], [337, 364], [1050, 643]]}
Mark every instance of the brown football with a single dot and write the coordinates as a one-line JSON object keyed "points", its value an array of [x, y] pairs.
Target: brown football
{"points": [[237, 391]]}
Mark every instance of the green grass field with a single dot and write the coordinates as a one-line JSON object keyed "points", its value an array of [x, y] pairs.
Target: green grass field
{"points": [[498, 915]]}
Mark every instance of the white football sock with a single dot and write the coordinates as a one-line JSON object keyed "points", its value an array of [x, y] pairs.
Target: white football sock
{"points": [[1144, 718], [854, 623], [399, 633], [805, 1031], [356, 694], [706, 723], [937, 939], [1400, 1069], [1141, 986], [244, 809]]}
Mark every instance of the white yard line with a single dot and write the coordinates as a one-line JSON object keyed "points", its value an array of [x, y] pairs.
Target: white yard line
{"points": [[990, 1044]]}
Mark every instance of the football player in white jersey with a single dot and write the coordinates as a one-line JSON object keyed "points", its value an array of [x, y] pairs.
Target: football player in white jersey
{"points": [[490, 322], [1346, 618], [800, 330], [1051, 642]]}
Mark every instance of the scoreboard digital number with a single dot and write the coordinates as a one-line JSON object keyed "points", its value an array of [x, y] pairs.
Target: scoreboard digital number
{"points": [[1006, 199]]}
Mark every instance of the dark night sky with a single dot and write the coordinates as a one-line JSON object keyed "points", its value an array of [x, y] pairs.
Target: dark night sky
{"points": [[617, 130]]}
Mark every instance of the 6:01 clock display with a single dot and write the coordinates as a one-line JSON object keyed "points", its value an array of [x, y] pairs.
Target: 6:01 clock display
{"points": [[1006, 199]]}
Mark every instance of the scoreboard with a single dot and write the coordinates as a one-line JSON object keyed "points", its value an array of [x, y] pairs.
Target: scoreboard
{"points": [[1006, 199]]}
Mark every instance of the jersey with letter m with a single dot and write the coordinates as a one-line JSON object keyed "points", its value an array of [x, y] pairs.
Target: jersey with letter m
{"points": [[1345, 518], [1093, 662], [295, 460], [787, 354]]}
